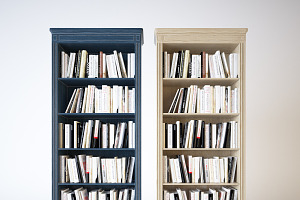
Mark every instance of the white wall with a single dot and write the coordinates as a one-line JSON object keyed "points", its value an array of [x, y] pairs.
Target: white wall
{"points": [[273, 68]]}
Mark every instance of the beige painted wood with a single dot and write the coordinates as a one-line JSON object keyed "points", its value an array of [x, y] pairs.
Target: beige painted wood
{"points": [[227, 40]]}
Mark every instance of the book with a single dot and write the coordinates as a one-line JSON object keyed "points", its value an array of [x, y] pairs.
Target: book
{"points": [[96, 64], [186, 65], [208, 99], [199, 169], [94, 169], [116, 99], [199, 134], [97, 134]]}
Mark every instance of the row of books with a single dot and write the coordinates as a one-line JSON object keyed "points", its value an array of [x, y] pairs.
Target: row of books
{"points": [[115, 99], [199, 170], [187, 65], [93, 169], [209, 99], [100, 65], [98, 194], [198, 134], [97, 134], [225, 193]]}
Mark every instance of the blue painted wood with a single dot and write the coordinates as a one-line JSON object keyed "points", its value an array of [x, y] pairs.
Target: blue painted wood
{"points": [[80, 82], [125, 40]]}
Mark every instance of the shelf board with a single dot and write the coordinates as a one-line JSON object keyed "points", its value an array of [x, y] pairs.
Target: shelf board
{"points": [[97, 81], [200, 149], [98, 115], [96, 149], [96, 184], [186, 82], [200, 184]]}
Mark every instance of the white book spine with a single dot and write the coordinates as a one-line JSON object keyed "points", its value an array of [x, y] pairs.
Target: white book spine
{"points": [[170, 136], [104, 136], [126, 100], [178, 172], [235, 65], [115, 103], [129, 65], [111, 135], [132, 65], [130, 134], [207, 97]]}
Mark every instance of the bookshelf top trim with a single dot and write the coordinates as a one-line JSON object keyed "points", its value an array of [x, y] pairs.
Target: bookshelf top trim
{"points": [[129, 35], [96, 30], [218, 31], [200, 35]]}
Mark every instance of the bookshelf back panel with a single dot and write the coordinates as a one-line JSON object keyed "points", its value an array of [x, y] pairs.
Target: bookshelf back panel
{"points": [[95, 48], [197, 48]]}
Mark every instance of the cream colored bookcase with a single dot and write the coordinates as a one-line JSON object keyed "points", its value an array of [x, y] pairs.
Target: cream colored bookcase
{"points": [[228, 40]]}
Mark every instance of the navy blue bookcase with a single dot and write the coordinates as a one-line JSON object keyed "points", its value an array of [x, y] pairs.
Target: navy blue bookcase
{"points": [[125, 40]]}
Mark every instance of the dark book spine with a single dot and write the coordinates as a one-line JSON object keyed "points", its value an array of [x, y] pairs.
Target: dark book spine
{"points": [[184, 134], [79, 132], [174, 131], [181, 135], [127, 169], [229, 168], [125, 143], [194, 145], [177, 74], [166, 135], [202, 134], [184, 99], [210, 136], [181, 64], [71, 141], [78, 169], [181, 169], [82, 135], [190, 68], [231, 194], [210, 196], [227, 136]]}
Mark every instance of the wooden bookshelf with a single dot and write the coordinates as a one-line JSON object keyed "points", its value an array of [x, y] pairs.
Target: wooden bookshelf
{"points": [[125, 40], [196, 40]]}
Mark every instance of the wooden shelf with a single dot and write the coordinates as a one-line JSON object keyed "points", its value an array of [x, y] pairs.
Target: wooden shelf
{"points": [[186, 82], [199, 184], [97, 115], [200, 149], [79, 82], [197, 40]]}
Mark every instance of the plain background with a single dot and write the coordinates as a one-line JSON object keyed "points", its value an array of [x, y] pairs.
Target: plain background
{"points": [[273, 94]]}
